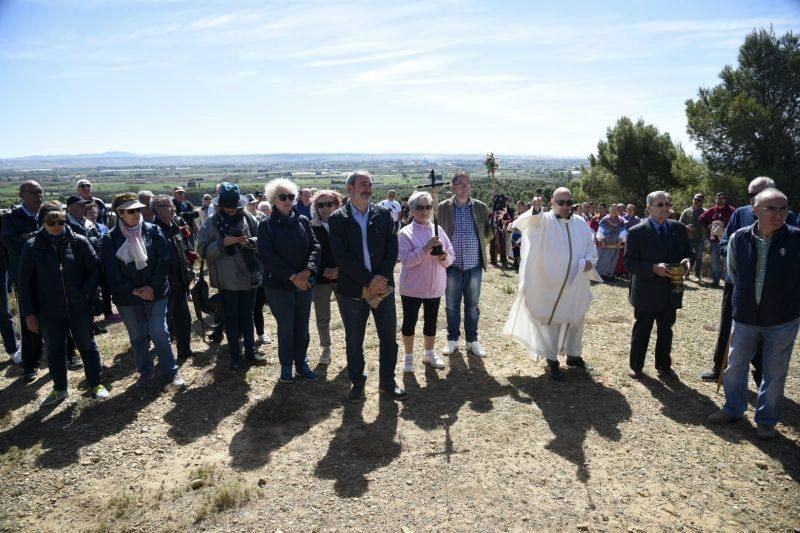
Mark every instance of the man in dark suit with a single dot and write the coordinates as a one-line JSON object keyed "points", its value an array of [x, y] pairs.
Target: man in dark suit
{"points": [[364, 244], [653, 246]]}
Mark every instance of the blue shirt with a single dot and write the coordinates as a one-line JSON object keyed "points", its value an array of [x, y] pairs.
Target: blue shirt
{"points": [[363, 220], [28, 212], [465, 240], [658, 226]]}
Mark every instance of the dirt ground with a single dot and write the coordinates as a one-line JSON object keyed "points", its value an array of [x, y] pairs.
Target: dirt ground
{"points": [[485, 445]]}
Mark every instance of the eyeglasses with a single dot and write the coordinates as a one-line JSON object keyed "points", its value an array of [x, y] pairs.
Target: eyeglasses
{"points": [[562, 203], [131, 211], [59, 222], [85, 185], [423, 207], [33, 191], [774, 209], [325, 204], [752, 194], [284, 197], [663, 204]]}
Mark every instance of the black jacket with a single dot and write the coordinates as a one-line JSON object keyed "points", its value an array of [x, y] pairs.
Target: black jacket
{"points": [[18, 227], [123, 278], [287, 245], [643, 249], [345, 234], [58, 282], [326, 252], [181, 274], [92, 235]]}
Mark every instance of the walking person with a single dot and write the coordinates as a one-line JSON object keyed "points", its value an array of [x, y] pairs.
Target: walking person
{"points": [[228, 244], [696, 231], [323, 205], [365, 248], [136, 261], [292, 257], [58, 277], [467, 224], [423, 278]]}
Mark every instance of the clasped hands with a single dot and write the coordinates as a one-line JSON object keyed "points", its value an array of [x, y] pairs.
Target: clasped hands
{"points": [[663, 270], [145, 293], [300, 280]]}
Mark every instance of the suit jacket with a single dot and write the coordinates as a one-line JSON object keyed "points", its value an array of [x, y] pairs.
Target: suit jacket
{"points": [[345, 237], [643, 249]]}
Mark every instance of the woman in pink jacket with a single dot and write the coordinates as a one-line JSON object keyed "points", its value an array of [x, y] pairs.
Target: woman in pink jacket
{"points": [[423, 277]]}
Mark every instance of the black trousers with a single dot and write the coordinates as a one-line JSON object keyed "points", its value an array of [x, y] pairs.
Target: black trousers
{"points": [[430, 309], [258, 310], [725, 321], [31, 346], [641, 337], [179, 321]]}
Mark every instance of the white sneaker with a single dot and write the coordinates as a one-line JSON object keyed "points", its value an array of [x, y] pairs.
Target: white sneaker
{"points": [[408, 365], [264, 339], [476, 349], [17, 357], [433, 359], [450, 347], [325, 356], [178, 381]]}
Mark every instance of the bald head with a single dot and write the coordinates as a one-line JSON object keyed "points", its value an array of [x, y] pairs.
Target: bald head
{"points": [[30, 192], [562, 196], [562, 193], [770, 195]]}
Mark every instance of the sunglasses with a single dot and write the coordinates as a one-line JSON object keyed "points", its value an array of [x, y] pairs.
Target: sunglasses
{"points": [[34, 191], [774, 209], [663, 204], [325, 204], [562, 203], [85, 186], [131, 211], [284, 197], [423, 207], [59, 222]]}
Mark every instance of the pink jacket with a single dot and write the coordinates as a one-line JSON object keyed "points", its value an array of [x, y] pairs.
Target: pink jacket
{"points": [[422, 275]]}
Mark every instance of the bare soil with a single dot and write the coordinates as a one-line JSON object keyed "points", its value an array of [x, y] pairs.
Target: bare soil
{"points": [[485, 445]]}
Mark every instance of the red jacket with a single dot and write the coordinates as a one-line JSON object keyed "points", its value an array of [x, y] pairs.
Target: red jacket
{"points": [[716, 212]]}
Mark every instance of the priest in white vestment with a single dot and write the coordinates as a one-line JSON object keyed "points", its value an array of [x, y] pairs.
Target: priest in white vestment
{"points": [[558, 255]]}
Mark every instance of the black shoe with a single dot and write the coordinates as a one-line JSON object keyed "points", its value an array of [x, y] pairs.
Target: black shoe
{"points": [[29, 376], [757, 378], [635, 374], [667, 374], [98, 330], [216, 336], [185, 355], [576, 362], [235, 365], [710, 376], [393, 392], [356, 394], [74, 363], [554, 370]]}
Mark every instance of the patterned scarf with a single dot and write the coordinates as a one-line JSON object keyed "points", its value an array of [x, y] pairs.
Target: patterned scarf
{"points": [[230, 225], [133, 249]]}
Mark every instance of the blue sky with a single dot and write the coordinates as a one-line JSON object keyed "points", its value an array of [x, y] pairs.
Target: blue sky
{"points": [[200, 77]]}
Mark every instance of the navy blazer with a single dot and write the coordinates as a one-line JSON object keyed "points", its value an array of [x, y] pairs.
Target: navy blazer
{"points": [[345, 236], [643, 249]]}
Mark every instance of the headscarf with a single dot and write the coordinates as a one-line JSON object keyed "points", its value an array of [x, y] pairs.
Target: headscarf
{"points": [[133, 249]]}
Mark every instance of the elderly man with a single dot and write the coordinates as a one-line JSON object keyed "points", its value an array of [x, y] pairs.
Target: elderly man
{"points": [[743, 216], [146, 199], [19, 225], [78, 223], [467, 224], [365, 248], [84, 189], [714, 221], [558, 258], [762, 261], [630, 217], [691, 219], [655, 246], [303, 205]]}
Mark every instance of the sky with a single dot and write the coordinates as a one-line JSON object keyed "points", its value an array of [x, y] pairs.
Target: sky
{"points": [[433, 77]]}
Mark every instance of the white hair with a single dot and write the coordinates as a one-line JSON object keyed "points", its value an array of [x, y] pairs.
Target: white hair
{"points": [[414, 199], [766, 181], [651, 198], [272, 186], [144, 195], [264, 204]]}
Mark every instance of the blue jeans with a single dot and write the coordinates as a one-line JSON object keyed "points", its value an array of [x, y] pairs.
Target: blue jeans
{"points": [[292, 311], [778, 342], [149, 319], [6, 322], [466, 284], [238, 309], [698, 247], [54, 334], [355, 313], [718, 263]]}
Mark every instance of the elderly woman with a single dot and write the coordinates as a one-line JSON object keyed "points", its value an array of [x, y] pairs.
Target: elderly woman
{"points": [[136, 262], [57, 281], [291, 262], [423, 277], [228, 243], [323, 205], [610, 237]]}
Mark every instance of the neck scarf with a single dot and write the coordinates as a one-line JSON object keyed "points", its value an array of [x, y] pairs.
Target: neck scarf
{"points": [[133, 249], [230, 225]]}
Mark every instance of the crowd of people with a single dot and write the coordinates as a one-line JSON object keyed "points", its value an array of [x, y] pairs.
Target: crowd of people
{"points": [[294, 249]]}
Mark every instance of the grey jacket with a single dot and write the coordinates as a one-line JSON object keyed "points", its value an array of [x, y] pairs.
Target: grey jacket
{"points": [[480, 216], [226, 272]]}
